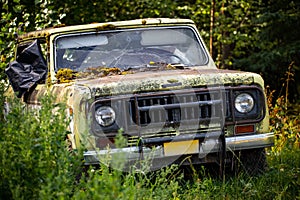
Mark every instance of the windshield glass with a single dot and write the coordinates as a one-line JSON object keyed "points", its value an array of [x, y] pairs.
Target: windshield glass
{"points": [[125, 49]]}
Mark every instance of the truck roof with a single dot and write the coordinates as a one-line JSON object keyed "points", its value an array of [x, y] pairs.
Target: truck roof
{"points": [[103, 26]]}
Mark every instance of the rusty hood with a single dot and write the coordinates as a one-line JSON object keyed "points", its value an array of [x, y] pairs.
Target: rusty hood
{"points": [[167, 80]]}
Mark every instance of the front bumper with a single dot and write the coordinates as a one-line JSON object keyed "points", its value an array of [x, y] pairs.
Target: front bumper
{"points": [[207, 145]]}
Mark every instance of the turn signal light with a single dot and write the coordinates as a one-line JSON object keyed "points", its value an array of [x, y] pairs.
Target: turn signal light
{"points": [[70, 111], [244, 129]]}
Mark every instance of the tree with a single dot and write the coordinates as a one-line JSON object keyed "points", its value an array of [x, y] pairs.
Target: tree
{"points": [[18, 17], [276, 45]]}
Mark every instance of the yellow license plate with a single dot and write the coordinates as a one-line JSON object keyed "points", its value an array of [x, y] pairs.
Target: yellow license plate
{"points": [[181, 147]]}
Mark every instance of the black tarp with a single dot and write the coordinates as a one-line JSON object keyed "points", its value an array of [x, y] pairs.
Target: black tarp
{"points": [[28, 69]]}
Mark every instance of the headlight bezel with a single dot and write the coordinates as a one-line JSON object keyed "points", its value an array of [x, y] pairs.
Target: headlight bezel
{"points": [[257, 113], [96, 127]]}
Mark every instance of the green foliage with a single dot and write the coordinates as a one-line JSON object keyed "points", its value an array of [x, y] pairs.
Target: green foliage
{"points": [[276, 43], [105, 183], [34, 158], [259, 36], [81, 11], [18, 17], [286, 124]]}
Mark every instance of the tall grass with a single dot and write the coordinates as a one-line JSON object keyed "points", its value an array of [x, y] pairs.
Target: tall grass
{"points": [[35, 163]]}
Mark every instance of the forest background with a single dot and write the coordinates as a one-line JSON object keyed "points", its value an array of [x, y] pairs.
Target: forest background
{"points": [[261, 36]]}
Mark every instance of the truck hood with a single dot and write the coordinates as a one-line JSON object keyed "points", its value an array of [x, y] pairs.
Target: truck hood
{"points": [[167, 80]]}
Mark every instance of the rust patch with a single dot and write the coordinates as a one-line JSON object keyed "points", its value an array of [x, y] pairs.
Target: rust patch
{"points": [[172, 81], [59, 25], [106, 27]]}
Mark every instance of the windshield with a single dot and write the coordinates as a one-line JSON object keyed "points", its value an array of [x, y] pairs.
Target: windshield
{"points": [[126, 49]]}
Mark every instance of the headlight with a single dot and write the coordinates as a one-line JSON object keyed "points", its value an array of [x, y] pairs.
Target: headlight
{"points": [[244, 103], [105, 115]]}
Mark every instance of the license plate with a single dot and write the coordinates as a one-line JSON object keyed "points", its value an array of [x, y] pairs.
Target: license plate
{"points": [[181, 147]]}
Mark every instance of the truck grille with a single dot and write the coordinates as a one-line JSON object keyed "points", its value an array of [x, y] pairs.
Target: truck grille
{"points": [[172, 109], [167, 114]]}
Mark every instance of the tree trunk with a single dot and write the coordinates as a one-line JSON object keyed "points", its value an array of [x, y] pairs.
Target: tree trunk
{"points": [[212, 23]]}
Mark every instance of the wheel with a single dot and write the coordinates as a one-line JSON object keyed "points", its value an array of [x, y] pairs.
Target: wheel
{"points": [[251, 162]]}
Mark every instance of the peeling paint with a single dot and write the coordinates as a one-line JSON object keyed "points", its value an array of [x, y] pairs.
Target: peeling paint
{"points": [[153, 81]]}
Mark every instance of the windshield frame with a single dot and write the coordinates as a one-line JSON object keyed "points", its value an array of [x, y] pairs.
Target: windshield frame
{"points": [[201, 46]]}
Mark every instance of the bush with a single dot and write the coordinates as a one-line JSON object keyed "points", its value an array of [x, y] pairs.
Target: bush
{"points": [[35, 162]]}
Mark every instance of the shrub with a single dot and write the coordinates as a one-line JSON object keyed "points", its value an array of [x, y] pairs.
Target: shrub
{"points": [[35, 162]]}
